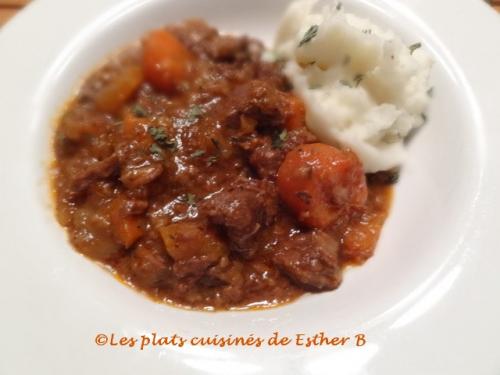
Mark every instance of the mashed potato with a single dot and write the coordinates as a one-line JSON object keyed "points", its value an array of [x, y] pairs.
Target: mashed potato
{"points": [[363, 87]]}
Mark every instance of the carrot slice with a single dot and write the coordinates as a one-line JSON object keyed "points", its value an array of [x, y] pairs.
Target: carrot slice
{"points": [[165, 60], [115, 94], [319, 182], [296, 114], [127, 229], [186, 240]]}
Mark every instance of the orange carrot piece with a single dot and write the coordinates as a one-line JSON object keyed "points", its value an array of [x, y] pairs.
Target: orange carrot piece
{"points": [[318, 182], [127, 229], [115, 94], [165, 60], [296, 114]]}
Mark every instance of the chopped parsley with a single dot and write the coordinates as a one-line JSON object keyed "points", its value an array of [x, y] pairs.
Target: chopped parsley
{"points": [[347, 60], [345, 83], [189, 198], [280, 138], [211, 160], [161, 139], [194, 113], [367, 31], [156, 150], [158, 134], [339, 6], [197, 153], [139, 111], [414, 47], [430, 92], [357, 79], [309, 35]]}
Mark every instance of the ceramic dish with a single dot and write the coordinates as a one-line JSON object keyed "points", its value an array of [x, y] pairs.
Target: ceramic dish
{"points": [[427, 302]]}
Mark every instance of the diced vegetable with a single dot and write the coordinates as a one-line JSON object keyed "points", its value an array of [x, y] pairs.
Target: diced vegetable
{"points": [[360, 238], [134, 127], [165, 60], [126, 228], [247, 124], [119, 90], [188, 239], [296, 113], [319, 182], [362, 232]]}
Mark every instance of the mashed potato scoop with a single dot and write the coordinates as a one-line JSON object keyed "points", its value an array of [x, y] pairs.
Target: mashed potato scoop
{"points": [[363, 87]]}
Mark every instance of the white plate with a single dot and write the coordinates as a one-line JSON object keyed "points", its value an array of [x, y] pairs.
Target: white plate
{"points": [[428, 301]]}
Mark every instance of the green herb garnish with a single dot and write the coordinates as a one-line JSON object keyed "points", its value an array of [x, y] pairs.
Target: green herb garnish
{"points": [[197, 153], [430, 92], [347, 60], [211, 160], [170, 144], [309, 35], [159, 136], [139, 111], [339, 6], [189, 198], [345, 83], [280, 138], [194, 113], [414, 47], [357, 79], [155, 150]]}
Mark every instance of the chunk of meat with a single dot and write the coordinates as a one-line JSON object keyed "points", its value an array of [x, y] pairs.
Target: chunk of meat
{"points": [[260, 100], [363, 229], [243, 210], [205, 41], [138, 175], [138, 167], [93, 235], [320, 183], [148, 266], [138, 171], [195, 34], [266, 158], [265, 102], [227, 48], [135, 206], [81, 122], [311, 260], [97, 171], [193, 247]]}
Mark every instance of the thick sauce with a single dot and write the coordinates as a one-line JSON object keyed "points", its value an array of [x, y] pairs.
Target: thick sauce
{"points": [[185, 165]]}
